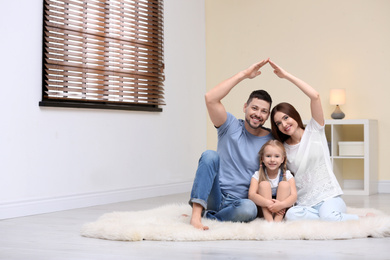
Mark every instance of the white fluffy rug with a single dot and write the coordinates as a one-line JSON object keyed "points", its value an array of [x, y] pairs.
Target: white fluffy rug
{"points": [[167, 223]]}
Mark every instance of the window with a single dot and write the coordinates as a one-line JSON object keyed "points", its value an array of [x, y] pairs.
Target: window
{"points": [[103, 54]]}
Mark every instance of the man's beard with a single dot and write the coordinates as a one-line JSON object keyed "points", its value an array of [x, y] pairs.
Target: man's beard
{"points": [[252, 126]]}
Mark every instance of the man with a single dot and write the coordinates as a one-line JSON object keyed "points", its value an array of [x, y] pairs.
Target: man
{"points": [[220, 189]]}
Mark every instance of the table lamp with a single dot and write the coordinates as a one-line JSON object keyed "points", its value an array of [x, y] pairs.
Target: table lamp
{"points": [[337, 97]]}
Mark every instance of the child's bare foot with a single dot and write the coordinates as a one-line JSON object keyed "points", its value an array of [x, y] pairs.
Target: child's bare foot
{"points": [[197, 223]]}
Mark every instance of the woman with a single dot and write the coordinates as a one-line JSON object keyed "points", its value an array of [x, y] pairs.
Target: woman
{"points": [[308, 157]]}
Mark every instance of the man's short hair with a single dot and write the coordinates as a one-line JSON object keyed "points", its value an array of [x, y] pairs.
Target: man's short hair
{"points": [[260, 94]]}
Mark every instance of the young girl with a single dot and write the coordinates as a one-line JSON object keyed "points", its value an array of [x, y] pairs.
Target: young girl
{"points": [[273, 187], [319, 193]]}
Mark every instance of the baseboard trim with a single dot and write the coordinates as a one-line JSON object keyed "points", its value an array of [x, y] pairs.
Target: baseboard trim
{"points": [[384, 187], [48, 205]]}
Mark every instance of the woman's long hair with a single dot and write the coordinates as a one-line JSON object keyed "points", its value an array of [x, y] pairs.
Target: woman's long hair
{"points": [[283, 166], [289, 110]]}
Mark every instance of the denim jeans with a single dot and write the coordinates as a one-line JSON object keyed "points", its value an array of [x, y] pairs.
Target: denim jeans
{"points": [[207, 192], [333, 209]]}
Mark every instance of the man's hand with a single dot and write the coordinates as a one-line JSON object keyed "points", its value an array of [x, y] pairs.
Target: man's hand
{"points": [[254, 70]]}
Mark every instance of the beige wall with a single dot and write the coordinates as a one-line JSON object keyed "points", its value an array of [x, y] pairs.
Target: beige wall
{"points": [[329, 44]]}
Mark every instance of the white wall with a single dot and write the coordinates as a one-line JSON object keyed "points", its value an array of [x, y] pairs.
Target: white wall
{"points": [[59, 158]]}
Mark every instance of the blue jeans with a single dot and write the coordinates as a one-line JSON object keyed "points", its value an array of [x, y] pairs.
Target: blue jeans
{"points": [[333, 209], [207, 192]]}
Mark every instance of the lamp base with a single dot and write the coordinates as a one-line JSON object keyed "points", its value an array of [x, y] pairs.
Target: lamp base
{"points": [[337, 113]]}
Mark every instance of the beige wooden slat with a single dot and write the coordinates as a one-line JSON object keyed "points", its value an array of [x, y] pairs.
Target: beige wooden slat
{"points": [[66, 37], [141, 78]]}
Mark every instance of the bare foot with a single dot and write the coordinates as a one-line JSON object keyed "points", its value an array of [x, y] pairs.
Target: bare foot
{"points": [[197, 223], [196, 217]]}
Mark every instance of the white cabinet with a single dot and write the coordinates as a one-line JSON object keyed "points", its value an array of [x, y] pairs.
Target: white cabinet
{"points": [[357, 173]]}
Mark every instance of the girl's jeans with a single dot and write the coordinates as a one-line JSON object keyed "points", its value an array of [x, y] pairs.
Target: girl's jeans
{"points": [[207, 192], [333, 209]]}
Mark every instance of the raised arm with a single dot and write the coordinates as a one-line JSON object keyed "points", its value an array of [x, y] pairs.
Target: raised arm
{"points": [[315, 101], [213, 98]]}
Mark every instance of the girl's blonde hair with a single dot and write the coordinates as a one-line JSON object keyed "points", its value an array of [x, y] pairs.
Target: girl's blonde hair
{"points": [[283, 166]]}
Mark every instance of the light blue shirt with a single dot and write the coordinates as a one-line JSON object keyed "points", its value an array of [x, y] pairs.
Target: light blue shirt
{"points": [[238, 151]]}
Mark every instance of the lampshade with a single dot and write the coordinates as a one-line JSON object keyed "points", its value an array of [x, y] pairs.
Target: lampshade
{"points": [[337, 96]]}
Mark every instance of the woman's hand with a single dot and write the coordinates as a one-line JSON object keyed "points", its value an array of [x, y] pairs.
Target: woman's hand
{"points": [[281, 73]]}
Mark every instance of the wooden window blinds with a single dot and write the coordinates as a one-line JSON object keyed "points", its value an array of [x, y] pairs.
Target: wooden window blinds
{"points": [[103, 54]]}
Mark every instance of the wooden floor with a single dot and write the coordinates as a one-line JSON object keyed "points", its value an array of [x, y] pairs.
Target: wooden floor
{"points": [[56, 236]]}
